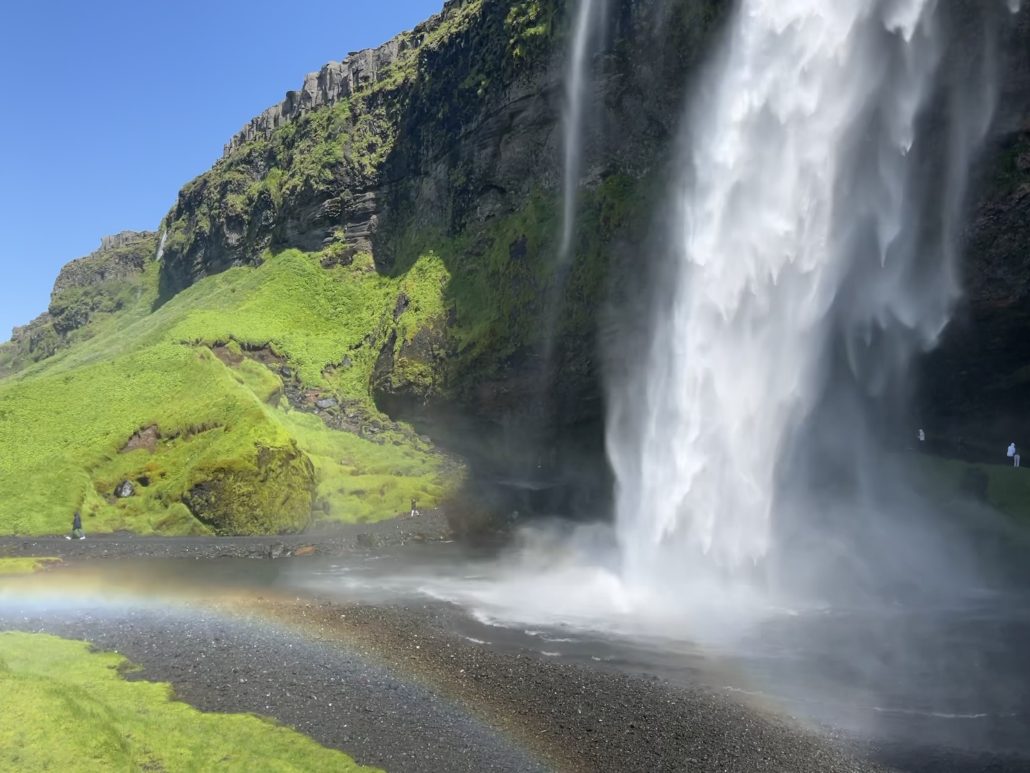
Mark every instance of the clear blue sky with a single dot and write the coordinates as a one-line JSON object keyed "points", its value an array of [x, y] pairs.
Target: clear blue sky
{"points": [[110, 106]]}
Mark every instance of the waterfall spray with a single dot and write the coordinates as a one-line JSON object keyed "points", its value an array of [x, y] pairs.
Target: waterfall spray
{"points": [[796, 217]]}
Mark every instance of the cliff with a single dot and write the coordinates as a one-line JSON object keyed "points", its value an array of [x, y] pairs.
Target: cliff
{"points": [[96, 286], [362, 297]]}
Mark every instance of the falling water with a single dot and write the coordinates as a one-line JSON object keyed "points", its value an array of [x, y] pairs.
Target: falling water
{"points": [[586, 35], [161, 245], [796, 219], [589, 16]]}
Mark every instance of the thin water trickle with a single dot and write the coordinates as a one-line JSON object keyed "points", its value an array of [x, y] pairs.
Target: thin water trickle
{"points": [[587, 30], [589, 16], [161, 246]]}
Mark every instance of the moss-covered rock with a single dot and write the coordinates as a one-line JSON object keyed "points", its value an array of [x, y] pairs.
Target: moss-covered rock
{"points": [[272, 492]]}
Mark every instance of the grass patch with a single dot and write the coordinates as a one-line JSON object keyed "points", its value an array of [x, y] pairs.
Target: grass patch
{"points": [[25, 565], [229, 449], [1007, 489], [65, 707]]}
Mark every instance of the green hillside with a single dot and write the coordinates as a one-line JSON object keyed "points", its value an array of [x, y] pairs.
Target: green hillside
{"points": [[209, 407]]}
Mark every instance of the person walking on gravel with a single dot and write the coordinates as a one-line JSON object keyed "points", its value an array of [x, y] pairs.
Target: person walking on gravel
{"points": [[77, 532]]}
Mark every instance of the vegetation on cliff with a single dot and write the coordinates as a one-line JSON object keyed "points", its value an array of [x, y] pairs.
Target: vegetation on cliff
{"points": [[89, 290], [392, 250], [241, 406]]}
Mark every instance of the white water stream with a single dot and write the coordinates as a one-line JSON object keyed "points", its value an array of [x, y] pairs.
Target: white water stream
{"points": [[589, 20], [798, 189], [161, 246]]}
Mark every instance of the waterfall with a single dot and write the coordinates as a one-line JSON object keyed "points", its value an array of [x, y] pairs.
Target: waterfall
{"points": [[586, 35], [589, 15], [161, 245], [802, 232]]}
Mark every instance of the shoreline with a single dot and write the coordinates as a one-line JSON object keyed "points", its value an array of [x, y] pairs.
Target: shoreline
{"points": [[398, 668], [332, 540]]}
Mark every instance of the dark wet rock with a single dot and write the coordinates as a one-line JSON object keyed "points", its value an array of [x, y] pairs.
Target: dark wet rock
{"points": [[365, 540], [278, 550], [326, 403], [401, 305], [517, 249]]}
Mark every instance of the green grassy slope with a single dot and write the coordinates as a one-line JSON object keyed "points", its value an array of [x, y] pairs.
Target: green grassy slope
{"points": [[223, 440], [66, 708], [1003, 487]]}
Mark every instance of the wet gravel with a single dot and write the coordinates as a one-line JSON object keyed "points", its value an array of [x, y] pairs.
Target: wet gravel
{"points": [[402, 687], [336, 540], [329, 692], [580, 718]]}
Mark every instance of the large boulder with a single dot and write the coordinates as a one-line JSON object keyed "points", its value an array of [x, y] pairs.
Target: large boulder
{"points": [[271, 493]]}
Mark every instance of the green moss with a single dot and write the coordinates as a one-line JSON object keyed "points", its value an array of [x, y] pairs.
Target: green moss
{"points": [[271, 491], [229, 446], [67, 707], [530, 24], [89, 292]]}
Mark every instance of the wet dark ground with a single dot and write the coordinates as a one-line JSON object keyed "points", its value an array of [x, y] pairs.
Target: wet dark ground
{"points": [[333, 694], [335, 540], [391, 689], [419, 685]]}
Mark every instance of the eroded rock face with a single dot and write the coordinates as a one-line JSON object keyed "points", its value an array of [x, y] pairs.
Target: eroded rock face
{"points": [[451, 141], [120, 255], [975, 388], [334, 82], [84, 288]]}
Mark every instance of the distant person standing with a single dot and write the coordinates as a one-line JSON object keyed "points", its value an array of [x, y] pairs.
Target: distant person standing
{"points": [[922, 436], [1013, 454], [414, 509], [77, 532]]}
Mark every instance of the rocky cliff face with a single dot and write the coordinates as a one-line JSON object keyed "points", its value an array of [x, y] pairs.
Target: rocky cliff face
{"points": [[101, 283], [448, 140], [422, 180], [975, 388]]}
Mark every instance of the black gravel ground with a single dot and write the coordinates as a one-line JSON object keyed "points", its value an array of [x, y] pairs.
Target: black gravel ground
{"points": [[342, 700], [603, 718], [430, 526], [398, 686], [581, 718]]}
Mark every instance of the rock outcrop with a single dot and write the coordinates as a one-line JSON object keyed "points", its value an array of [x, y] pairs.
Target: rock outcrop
{"points": [[448, 139], [334, 82], [101, 283], [446, 142], [976, 386], [120, 256]]}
